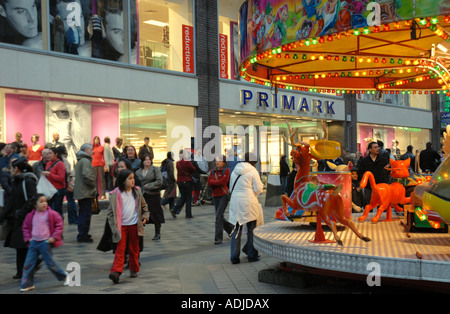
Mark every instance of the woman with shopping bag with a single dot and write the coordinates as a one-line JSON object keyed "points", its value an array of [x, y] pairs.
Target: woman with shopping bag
{"points": [[55, 172]]}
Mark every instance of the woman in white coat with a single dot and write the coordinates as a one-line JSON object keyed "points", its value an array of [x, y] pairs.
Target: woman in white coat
{"points": [[245, 212]]}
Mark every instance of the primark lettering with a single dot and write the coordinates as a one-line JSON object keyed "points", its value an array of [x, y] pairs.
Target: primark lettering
{"points": [[287, 102]]}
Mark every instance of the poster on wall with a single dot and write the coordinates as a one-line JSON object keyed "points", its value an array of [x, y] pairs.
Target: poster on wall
{"points": [[20, 23], [188, 48], [92, 28], [266, 24], [72, 121], [223, 59]]}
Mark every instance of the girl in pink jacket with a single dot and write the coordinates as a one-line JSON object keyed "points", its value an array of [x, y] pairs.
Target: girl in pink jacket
{"points": [[42, 229]]}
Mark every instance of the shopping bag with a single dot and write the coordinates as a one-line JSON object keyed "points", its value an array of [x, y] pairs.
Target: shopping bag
{"points": [[94, 206], [46, 187]]}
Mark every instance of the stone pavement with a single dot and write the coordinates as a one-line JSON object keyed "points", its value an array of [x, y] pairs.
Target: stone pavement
{"points": [[184, 261]]}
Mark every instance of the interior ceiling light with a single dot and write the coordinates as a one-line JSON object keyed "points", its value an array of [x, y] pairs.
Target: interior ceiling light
{"points": [[155, 23]]}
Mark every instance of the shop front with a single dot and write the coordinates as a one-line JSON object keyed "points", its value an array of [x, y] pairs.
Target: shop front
{"points": [[263, 114], [78, 119]]}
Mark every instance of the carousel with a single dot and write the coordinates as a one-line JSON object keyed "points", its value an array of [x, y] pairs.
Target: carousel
{"points": [[357, 47]]}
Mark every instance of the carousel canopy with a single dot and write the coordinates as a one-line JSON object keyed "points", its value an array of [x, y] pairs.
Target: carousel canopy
{"points": [[335, 46]]}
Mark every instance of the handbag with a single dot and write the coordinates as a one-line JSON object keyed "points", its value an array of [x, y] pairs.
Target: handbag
{"points": [[46, 187], [94, 206]]}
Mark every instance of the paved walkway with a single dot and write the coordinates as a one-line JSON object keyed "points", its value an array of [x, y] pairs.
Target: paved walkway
{"points": [[184, 261]]}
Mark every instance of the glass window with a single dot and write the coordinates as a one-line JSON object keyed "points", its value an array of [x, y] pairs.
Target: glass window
{"points": [[413, 100], [20, 23], [166, 36], [77, 120], [229, 39]]}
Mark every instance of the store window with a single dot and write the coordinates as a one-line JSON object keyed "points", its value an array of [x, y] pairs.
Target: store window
{"points": [[166, 34], [264, 136], [229, 39], [78, 119], [20, 23], [405, 136], [412, 100], [94, 28], [151, 33]]}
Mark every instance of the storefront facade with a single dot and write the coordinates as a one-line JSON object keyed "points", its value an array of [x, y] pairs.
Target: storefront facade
{"points": [[179, 62], [126, 77]]}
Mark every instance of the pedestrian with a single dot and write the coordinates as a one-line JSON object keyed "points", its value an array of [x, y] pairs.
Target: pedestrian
{"points": [[98, 162], [245, 211], [72, 215], [127, 214], [284, 173], [151, 183], [357, 192], [409, 154], [185, 170], [201, 167], [376, 164], [218, 181], [85, 191], [55, 172], [132, 157], [146, 149], [21, 191], [429, 159], [171, 190], [42, 230]]}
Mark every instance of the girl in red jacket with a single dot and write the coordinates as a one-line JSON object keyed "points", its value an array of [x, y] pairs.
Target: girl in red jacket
{"points": [[218, 182], [42, 229], [55, 171]]}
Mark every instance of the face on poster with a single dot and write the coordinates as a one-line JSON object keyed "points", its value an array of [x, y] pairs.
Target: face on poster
{"points": [[92, 28], [72, 121], [20, 22]]}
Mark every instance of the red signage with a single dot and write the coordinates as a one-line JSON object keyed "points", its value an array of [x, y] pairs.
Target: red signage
{"points": [[188, 49], [223, 48]]}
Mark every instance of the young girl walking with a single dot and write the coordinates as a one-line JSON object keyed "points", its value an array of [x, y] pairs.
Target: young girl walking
{"points": [[42, 229], [127, 215]]}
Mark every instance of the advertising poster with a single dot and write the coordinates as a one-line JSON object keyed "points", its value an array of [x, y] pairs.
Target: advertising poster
{"points": [[20, 23], [265, 24], [92, 28]]}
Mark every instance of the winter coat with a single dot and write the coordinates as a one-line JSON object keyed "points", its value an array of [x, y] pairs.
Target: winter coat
{"points": [[151, 182], [114, 214], [17, 207], [85, 185], [57, 176], [218, 181], [244, 204], [171, 190], [55, 223]]}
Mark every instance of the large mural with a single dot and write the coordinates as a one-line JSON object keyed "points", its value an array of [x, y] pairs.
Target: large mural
{"points": [[265, 24]]}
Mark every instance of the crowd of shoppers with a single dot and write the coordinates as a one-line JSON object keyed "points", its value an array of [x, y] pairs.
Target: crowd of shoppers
{"points": [[138, 191]]}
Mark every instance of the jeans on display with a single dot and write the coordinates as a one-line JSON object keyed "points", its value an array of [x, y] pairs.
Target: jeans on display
{"points": [[84, 218], [37, 248], [220, 204], [186, 198], [235, 246], [71, 209]]}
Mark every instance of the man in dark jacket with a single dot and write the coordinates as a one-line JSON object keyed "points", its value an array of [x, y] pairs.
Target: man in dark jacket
{"points": [[84, 191], [429, 159], [409, 154], [375, 164]]}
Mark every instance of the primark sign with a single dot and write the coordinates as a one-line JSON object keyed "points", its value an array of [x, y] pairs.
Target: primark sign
{"points": [[292, 104]]}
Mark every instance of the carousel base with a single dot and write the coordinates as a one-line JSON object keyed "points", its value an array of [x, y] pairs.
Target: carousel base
{"points": [[422, 257]]}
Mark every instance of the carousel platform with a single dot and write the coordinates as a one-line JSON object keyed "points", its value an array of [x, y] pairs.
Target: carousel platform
{"points": [[420, 257]]}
